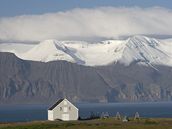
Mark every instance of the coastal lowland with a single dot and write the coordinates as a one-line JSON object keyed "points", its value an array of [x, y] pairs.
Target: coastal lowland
{"points": [[107, 123]]}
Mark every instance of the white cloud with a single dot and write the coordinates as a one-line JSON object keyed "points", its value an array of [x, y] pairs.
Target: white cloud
{"points": [[106, 22]]}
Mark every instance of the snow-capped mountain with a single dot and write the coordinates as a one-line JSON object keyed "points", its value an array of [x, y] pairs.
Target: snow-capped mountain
{"points": [[46, 51], [136, 49], [36, 82], [144, 50]]}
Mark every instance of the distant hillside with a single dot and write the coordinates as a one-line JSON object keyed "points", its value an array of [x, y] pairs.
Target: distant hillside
{"points": [[24, 81]]}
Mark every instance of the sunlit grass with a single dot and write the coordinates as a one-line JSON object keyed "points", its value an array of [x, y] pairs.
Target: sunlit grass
{"points": [[109, 123]]}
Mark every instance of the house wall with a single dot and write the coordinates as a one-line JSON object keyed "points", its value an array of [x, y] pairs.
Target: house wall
{"points": [[58, 111], [50, 115]]}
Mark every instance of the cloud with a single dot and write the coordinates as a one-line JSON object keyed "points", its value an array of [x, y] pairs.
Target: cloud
{"points": [[102, 22]]}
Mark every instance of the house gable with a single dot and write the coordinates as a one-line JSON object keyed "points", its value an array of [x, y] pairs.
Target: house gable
{"points": [[59, 102], [56, 104], [63, 110]]}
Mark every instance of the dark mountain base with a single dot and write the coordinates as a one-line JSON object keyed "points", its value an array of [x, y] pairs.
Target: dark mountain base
{"points": [[23, 82]]}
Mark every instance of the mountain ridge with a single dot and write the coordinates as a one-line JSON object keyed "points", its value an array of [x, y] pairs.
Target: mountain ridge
{"points": [[134, 70], [138, 49]]}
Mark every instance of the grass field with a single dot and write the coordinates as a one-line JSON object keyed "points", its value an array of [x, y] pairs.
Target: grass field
{"points": [[109, 123]]}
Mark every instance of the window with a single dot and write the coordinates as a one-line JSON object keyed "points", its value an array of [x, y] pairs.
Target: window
{"points": [[69, 108], [60, 108], [65, 103]]}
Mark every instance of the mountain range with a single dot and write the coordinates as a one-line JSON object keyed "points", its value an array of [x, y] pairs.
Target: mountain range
{"points": [[136, 69]]}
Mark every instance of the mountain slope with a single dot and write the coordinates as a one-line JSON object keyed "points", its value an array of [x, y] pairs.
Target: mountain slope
{"points": [[31, 82], [140, 49], [47, 51], [38, 82], [53, 69], [137, 49]]}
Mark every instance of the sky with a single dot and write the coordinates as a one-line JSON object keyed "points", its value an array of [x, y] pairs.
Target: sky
{"points": [[24, 7], [37, 20]]}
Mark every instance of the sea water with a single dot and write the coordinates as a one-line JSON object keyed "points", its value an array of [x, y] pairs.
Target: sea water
{"points": [[21, 113]]}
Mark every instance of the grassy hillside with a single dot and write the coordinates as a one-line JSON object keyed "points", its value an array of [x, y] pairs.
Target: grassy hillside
{"points": [[110, 123]]}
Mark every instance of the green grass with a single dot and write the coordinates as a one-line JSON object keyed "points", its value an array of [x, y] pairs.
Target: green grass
{"points": [[110, 123]]}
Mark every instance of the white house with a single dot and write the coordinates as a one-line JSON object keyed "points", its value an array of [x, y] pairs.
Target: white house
{"points": [[63, 110]]}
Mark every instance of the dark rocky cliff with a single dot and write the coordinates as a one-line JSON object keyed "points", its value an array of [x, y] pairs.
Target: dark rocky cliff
{"points": [[36, 82]]}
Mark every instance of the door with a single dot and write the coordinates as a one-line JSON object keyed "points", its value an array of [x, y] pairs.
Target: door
{"points": [[65, 109], [65, 117]]}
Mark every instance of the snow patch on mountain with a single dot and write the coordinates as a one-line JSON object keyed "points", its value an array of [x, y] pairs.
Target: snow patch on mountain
{"points": [[136, 49], [46, 51], [141, 49]]}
